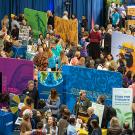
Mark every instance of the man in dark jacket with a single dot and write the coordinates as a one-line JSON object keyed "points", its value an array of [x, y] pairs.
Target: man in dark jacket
{"points": [[50, 19], [32, 92], [82, 104], [15, 32]]}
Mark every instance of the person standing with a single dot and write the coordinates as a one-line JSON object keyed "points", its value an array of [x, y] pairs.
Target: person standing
{"points": [[65, 15], [92, 117], [95, 41], [63, 122], [84, 23], [122, 12], [107, 41], [133, 109], [53, 103], [82, 104], [40, 39], [50, 18], [32, 92], [15, 32], [110, 12], [115, 18]]}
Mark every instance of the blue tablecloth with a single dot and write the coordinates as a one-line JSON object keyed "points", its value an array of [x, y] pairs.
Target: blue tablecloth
{"points": [[19, 51]]}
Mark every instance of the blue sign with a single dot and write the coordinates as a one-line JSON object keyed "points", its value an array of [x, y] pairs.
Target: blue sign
{"points": [[95, 82], [49, 80], [71, 80]]}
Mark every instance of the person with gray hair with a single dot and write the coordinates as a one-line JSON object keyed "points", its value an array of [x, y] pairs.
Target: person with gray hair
{"points": [[92, 117], [32, 92], [65, 15]]}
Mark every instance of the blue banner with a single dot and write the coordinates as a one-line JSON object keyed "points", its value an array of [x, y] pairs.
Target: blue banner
{"points": [[49, 80], [95, 82], [71, 80]]}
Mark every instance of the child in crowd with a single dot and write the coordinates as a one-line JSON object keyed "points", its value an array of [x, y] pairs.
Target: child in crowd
{"points": [[84, 42], [74, 61]]}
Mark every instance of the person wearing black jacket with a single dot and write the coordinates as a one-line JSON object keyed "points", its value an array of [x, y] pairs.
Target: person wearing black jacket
{"points": [[32, 92], [50, 19], [101, 100], [109, 112], [15, 32]]}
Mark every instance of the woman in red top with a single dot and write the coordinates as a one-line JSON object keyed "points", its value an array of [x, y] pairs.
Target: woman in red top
{"points": [[94, 46]]}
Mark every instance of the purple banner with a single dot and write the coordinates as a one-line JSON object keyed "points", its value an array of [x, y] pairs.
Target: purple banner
{"points": [[15, 74]]}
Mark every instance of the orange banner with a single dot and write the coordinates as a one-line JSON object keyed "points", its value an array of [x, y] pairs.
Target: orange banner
{"points": [[131, 11], [67, 29]]}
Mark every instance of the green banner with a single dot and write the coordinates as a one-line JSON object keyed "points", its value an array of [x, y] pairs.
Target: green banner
{"points": [[37, 20], [115, 1]]}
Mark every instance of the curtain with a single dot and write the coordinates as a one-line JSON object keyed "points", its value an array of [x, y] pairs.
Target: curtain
{"points": [[59, 7], [42, 5], [97, 11], [89, 8], [4, 8], [80, 8]]}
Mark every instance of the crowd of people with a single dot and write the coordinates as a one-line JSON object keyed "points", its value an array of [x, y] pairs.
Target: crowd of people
{"points": [[93, 51], [53, 118]]}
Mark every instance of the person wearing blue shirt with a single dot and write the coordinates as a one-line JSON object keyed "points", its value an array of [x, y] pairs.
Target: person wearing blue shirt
{"points": [[52, 62], [115, 18]]}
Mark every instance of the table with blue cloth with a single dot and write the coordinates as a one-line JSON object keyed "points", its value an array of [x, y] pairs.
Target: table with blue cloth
{"points": [[19, 51]]}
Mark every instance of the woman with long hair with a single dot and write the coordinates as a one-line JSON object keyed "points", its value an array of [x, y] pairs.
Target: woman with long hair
{"points": [[53, 102], [63, 60], [51, 126], [51, 59]]}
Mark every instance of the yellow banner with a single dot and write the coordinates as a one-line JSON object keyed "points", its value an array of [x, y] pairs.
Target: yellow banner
{"points": [[131, 11], [67, 29]]}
